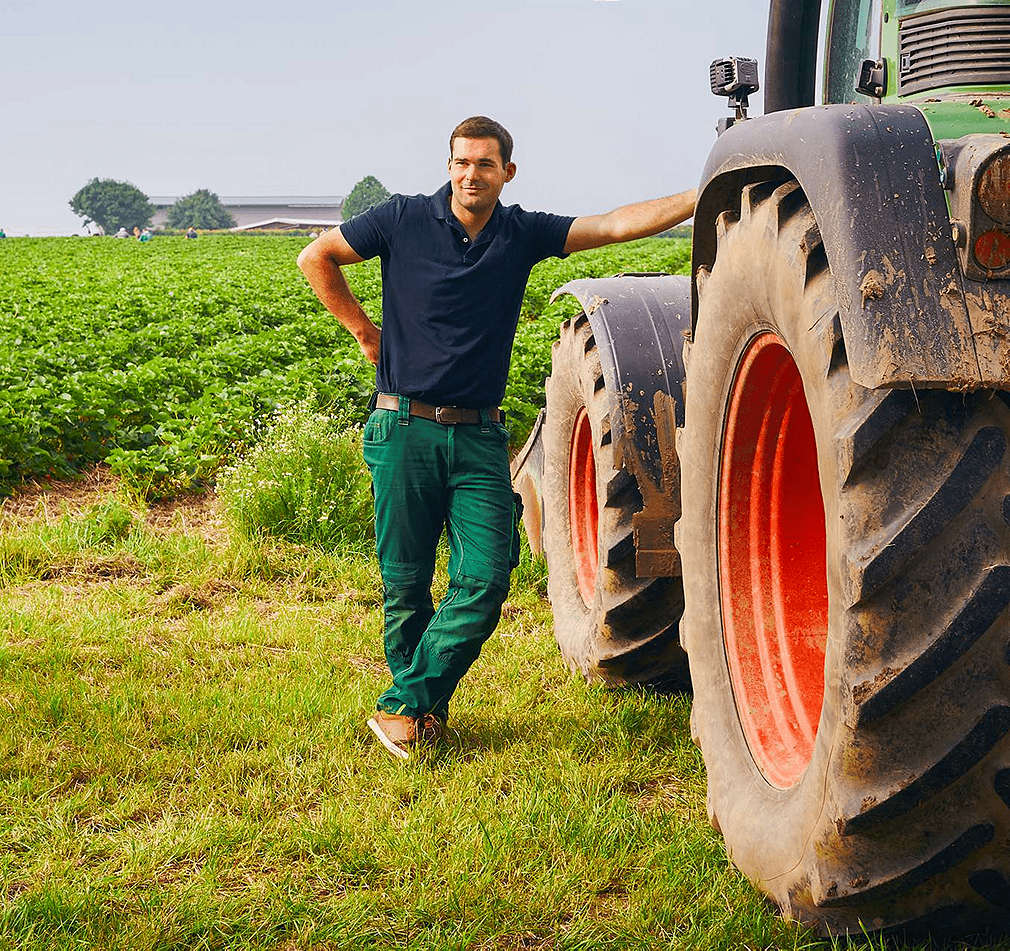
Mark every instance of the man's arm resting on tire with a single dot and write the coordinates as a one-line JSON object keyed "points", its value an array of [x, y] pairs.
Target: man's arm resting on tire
{"points": [[320, 262], [628, 222]]}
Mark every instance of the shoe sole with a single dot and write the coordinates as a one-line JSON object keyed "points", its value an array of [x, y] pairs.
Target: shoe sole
{"points": [[387, 742]]}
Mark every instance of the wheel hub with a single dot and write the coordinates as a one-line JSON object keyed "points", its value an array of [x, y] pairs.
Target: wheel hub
{"points": [[772, 562]]}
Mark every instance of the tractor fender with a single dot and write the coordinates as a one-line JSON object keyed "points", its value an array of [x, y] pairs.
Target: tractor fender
{"points": [[639, 323], [871, 177]]}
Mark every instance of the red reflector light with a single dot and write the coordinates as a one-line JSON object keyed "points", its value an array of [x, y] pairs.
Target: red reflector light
{"points": [[992, 250], [994, 189]]}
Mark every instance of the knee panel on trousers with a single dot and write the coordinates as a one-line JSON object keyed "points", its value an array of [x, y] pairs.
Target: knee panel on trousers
{"points": [[406, 577]]}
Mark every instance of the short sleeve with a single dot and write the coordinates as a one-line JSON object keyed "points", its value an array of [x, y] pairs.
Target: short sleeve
{"points": [[370, 234], [548, 234]]}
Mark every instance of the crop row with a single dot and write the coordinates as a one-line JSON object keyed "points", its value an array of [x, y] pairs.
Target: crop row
{"points": [[160, 358]]}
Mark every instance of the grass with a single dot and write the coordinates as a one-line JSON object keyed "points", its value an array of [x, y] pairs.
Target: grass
{"points": [[302, 481], [185, 765]]}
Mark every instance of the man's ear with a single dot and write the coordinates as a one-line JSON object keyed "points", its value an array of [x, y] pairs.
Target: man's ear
{"points": [[510, 171]]}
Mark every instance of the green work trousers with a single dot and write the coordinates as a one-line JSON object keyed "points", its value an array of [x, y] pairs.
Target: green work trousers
{"points": [[426, 476]]}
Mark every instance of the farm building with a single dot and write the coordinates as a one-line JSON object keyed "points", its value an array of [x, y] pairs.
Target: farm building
{"points": [[272, 213]]}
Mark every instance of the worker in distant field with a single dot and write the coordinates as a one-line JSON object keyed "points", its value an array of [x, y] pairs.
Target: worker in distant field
{"points": [[454, 269]]}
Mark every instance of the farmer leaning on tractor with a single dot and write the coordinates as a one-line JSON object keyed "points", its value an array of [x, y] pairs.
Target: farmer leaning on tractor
{"points": [[454, 269]]}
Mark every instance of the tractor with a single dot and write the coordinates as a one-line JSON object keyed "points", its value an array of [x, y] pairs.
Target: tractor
{"points": [[786, 478]]}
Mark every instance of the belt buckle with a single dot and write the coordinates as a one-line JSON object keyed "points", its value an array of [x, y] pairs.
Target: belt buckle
{"points": [[449, 415]]}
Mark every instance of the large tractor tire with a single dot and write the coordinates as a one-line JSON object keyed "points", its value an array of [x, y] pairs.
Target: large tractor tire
{"points": [[847, 573], [610, 625]]}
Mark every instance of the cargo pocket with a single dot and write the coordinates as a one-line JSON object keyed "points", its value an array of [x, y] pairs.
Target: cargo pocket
{"points": [[517, 516]]}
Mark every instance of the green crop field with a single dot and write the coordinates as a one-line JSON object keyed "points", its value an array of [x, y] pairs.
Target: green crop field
{"points": [[160, 357], [183, 752]]}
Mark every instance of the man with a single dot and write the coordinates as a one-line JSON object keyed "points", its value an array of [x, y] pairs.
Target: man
{"points": [[454, 269]]}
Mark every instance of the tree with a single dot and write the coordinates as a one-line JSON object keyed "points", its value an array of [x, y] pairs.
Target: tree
{"points": [[112, 205], [369, 191], [202, 209]]}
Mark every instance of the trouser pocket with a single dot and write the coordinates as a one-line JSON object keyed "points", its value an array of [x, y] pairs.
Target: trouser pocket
{"points": [[517, 517]]}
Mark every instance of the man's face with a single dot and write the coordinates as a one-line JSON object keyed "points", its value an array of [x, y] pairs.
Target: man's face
{"points": [[477, 173]]}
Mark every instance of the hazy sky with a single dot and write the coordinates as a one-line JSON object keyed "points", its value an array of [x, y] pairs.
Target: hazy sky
{"points": [[608, 100]]}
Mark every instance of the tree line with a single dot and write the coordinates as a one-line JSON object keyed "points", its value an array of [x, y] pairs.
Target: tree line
{"points": [[112, 205]]}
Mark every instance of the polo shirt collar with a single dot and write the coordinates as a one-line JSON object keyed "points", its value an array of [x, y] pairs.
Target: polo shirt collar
{"points": [[441, 209], [440, 203]]}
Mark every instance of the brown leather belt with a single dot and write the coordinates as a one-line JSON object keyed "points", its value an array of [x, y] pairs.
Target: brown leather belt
{"points": [[448, 415]]}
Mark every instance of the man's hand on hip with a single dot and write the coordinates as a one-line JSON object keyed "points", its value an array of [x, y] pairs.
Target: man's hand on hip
{"points": [[369, 343]]}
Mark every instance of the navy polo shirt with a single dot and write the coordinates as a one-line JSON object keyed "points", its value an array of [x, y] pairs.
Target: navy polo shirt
{"points": [[450, 306]]}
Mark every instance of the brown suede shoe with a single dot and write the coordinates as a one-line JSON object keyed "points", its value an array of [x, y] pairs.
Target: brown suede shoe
{"points": [[396, 733], [430, 729]]}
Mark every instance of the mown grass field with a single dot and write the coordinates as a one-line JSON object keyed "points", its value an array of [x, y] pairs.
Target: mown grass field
{"points": [[183, 750], [185, 764]]}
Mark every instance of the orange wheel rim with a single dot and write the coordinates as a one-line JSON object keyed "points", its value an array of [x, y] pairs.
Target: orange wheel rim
{"points": [[583, 513], [772, 561]]}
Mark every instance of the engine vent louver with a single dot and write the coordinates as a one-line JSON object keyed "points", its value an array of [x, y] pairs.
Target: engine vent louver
{"points": [[968, 46]]}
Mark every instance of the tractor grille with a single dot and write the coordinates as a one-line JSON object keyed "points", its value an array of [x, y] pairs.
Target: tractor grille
{"points": [[967, 46]]}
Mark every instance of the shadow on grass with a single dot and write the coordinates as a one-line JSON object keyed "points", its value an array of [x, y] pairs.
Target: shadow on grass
{"points": [[671, 687], [620, 725], [937, 932], [956, 927], [467, 741]]}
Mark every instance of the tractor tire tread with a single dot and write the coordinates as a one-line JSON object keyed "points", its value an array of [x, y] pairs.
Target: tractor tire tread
{"points": [[911, 832]]}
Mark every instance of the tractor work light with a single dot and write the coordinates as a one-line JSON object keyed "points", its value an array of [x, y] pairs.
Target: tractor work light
{"points": [[734, 75], [736, 78]]}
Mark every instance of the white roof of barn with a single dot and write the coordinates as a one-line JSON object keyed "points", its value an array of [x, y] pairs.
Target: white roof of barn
{"points": [[293, 222], [293, 201]]}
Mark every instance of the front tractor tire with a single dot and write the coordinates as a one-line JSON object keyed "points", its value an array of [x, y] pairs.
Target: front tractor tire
{"points": [[846, 561], [611, 625]]}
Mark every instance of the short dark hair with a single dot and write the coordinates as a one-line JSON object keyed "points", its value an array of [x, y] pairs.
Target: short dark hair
{"points": [[481, 127]]}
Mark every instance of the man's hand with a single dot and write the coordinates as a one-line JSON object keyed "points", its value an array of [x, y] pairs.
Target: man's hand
{"points": [[320, 262], [370, 343], [630, 221]]}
